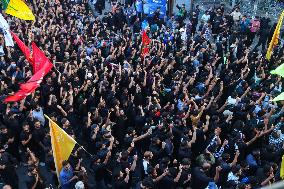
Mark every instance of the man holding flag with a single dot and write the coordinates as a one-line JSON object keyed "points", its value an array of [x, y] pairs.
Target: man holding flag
{"points": [[62, 146], [67, 177]]}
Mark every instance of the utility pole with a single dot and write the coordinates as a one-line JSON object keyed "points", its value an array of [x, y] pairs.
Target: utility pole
{"points": [[170, 6], [191, 3]]}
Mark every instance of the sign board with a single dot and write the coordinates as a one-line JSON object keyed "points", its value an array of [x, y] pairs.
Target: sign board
{"points": [[152, 5]]}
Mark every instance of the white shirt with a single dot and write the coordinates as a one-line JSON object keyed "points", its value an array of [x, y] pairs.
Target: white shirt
{"points": [[145, 165], [205, 17], [236, 15], [233, 177], [39, 115]]}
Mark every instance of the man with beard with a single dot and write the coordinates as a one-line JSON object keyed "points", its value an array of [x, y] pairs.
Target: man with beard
{"points": [[26, 138], [38, 136], [100, 168], [67, 176], [185, 177], [34, 180]]}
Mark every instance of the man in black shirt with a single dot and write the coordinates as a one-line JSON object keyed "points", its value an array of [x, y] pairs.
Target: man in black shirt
{"points": [[38, 136], [201, 179], [34, 180], [7, 139], [99, 170], [122, 182], [185, 177], [147, 183], [26, 138]]}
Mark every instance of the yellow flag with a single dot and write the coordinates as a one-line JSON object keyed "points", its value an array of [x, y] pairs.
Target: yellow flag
{"points": [[62, 144], [282, 168], [18, 9], [275, 38]]}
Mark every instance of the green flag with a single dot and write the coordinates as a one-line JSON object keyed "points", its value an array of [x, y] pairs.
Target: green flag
{"points": [[279, 97], [279, 70]]}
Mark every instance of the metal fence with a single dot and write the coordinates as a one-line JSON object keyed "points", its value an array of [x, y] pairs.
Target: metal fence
{"points": [[278, 185], [249, 7]]}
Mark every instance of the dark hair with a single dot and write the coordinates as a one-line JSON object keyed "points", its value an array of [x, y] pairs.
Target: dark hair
{"points": [[150, 170], [266, 168], [186, 161], [148, 182], [64, 163], [31, 168], [236, 169], [63, 120]]}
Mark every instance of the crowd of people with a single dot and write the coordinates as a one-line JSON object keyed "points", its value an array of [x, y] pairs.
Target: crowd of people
{"points": [[195, 112]]}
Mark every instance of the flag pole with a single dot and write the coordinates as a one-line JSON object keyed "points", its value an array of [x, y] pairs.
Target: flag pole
{"points": [[85, 150], [80, 146], [56, 69]]}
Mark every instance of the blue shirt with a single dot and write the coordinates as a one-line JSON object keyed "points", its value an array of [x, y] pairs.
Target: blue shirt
{"points": [[89, 50], [251, 161], [39, 115], [180, 105], [139, 6], [65, 176], [244, 25]]}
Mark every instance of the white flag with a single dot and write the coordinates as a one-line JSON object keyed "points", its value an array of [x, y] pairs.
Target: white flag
{"points": [[5, 27]]}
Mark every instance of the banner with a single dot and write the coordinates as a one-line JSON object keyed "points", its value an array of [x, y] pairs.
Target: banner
{"points": [[155, 4], [62, 144], [39, 59]]}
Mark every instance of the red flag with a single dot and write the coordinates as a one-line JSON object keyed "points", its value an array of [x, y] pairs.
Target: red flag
{"points": [[30, 86], [23, 48], [38, 76], [145, 39], [145, 51], [16, 97], [25, 90], [39, 58], [44, 66], [20, 95]]}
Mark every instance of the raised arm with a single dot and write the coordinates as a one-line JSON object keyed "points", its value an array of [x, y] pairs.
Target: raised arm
{"points": [[149, 132], [179, 174], [205, 128], [133, 166], [235, 160]]}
